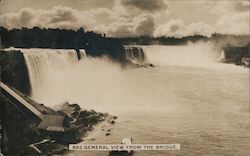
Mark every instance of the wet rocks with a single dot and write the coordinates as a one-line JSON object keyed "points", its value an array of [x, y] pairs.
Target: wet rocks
{"points": [[55, 126], [111, 122], [130, 64], [70, 110], [113, 117], [107, 134]]}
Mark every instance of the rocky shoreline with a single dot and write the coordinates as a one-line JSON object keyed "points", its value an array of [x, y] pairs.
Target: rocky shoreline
{"points": [[51, 133], [85, 121]]}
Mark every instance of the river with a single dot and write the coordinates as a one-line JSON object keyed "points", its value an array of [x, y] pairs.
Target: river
{"points": [[199, 104]]}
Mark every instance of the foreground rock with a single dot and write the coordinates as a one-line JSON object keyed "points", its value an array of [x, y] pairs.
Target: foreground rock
{"points": [[46, 134], [69, 126]]}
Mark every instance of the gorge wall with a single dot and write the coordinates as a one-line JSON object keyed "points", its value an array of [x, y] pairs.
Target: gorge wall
{"points": [[14, 70]]}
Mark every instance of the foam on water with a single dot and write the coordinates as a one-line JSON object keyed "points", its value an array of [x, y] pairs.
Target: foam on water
{"points": [[188, 98], [42, 63]]}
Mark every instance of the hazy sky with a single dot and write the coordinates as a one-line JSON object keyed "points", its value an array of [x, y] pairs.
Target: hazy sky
{"points": [[131, 17]]}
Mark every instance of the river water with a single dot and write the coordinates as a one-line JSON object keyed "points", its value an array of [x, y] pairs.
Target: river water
{"points": [[185, 99], [204, 110]]}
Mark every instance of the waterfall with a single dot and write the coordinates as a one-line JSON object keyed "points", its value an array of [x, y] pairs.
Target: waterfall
{"points": [[83, 53], [196, 55], [98, 83], [42, 63], [134, 54], [222, 56]]}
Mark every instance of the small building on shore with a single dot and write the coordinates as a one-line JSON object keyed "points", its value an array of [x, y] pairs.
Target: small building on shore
{"points": [[58, 127]]}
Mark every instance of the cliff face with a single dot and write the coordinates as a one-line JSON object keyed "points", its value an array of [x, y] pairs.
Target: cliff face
{"points": [[14, 70], [237, 55]]}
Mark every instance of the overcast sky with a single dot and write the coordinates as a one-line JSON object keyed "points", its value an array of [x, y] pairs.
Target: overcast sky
{"points": [[121, 18]]}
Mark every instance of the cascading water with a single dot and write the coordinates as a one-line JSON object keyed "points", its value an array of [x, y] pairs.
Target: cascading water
{"points": [[83, 53], [179, 97], [186, 55], [135, 54], [197, 55], [222, 57], [56, 75], [42, 63]]}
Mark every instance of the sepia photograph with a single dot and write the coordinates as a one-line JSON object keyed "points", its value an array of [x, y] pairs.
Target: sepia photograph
{"points": [[124, 77]]}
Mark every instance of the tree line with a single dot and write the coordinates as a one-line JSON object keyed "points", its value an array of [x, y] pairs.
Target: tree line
{"points": [[95, 44]]}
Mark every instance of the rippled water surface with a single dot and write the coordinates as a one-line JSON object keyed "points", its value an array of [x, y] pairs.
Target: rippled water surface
{"points": [[206, 110], [187, 99]]}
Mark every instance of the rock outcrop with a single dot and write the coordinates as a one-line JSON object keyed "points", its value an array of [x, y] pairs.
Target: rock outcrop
{"points": [[14, 70], [237, 55], [48, 134]]}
